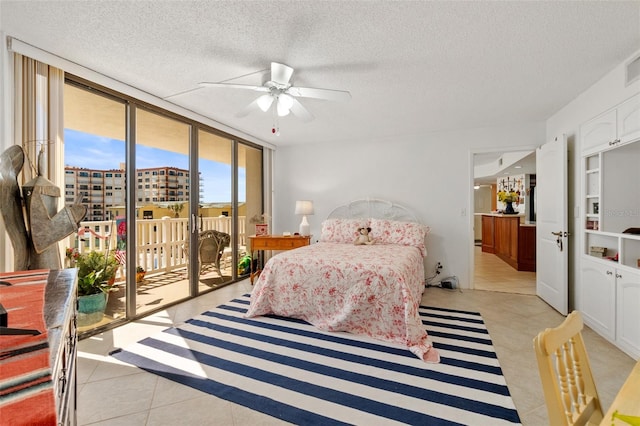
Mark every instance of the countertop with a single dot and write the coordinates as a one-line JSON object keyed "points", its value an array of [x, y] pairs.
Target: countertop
{"points": [[500, 214]]}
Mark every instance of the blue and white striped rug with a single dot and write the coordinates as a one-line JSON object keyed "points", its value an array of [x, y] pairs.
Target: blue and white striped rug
{"points": [[290, 370]]}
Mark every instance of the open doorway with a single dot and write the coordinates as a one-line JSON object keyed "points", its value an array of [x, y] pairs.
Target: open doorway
{"points": [[499, 239]]}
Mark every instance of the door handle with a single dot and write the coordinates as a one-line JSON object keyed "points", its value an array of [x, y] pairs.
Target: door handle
{"points": [[560, 234]]}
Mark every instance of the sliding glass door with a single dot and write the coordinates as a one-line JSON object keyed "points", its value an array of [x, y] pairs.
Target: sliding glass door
{"points": [[215, 226], [95, 159], [162, 205], [170, 201], [250, 201]]}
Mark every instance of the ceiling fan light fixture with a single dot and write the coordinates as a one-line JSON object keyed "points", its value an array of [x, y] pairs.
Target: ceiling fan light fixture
{"points": [[264, 102], [285, 102], [282, 112]]}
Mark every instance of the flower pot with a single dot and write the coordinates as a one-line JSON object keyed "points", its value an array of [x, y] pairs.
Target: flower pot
{"points": [[91, 308], [509, 209]]}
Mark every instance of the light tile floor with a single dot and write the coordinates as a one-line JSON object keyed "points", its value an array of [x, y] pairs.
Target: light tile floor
{"points": [[494, 274], [110, 393]]}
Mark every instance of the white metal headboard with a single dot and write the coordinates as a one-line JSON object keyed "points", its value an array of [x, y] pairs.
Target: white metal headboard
{"points": [[375, 209]]}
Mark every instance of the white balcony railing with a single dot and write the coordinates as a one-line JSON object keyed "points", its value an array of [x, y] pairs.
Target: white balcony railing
{"points": [[159, 241]]}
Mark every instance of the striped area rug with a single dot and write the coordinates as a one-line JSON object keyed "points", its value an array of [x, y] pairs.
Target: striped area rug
{"points": [[288, 369]]}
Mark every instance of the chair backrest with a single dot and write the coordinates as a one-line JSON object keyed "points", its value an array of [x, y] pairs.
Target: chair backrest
{"points": [[569, 389], [211, 245]]}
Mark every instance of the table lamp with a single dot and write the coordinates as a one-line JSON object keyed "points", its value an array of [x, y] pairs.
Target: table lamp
{"points": [[304, 207]]}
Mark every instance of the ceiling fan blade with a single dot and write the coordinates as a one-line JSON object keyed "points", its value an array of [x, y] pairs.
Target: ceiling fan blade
{"points": [[280, 73], [234, 86], [328, 94], [299, 111]]}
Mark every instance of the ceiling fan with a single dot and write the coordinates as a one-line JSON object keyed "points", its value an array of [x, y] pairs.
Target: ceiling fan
{"points": [[282, 95]]}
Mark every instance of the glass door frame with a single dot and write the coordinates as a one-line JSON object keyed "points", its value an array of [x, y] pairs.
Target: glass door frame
{"points": [[131, 107]]}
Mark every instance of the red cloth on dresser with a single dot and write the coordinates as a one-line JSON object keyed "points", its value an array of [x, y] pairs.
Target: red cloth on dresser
{"points": [[26, 390]]}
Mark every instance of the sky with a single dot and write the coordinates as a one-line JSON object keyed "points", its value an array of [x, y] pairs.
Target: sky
{"points": [[96, 152]]}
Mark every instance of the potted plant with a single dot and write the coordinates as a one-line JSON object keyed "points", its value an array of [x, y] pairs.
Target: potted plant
{"points": [[96, 274], [508, 197], [140, 274], [96, 261]]}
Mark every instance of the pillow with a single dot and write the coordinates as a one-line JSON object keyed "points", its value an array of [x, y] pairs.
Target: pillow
{"points": [[386, 231], [341, 230]]}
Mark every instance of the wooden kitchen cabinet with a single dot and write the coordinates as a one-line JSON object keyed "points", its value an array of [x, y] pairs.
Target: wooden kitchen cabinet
{"points": [[510, 240]]}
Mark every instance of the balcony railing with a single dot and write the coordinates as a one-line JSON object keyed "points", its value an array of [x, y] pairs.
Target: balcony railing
{"points": [[159, 241]]}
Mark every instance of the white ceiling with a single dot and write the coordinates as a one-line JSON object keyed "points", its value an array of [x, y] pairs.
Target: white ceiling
{"points": [[412, 67], [488, 167]]}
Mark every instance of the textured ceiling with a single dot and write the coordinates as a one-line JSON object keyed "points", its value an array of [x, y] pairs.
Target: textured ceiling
{"points": [[412, 67]]}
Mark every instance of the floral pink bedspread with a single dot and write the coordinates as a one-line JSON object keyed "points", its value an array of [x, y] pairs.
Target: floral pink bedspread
{"points": [[374, 290]]}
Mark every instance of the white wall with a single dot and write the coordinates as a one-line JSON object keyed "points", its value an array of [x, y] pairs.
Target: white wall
{"points": [[605, 94], [482, 204], [430, 174]]}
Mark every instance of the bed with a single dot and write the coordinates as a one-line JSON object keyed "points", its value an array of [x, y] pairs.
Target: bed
{"points": [[372, 290]]}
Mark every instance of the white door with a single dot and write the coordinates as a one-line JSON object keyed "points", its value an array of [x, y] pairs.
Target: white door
{"points": [[552, 281]]}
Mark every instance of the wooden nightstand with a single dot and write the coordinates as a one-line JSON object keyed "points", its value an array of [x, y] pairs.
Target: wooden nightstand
{"points": [[274, 242]]}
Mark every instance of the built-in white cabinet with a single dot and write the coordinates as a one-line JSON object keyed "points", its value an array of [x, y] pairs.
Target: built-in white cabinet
{"points": [[628, 317], [628, 120], [598, 297], [610, 303], [608, 290], [614, 127], [599, 133]]}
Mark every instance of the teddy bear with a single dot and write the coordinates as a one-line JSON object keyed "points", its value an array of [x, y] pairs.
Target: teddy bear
{"points": [[364, 237]]}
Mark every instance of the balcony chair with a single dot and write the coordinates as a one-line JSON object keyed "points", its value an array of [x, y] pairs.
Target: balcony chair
{"points": [[211, 247], [569, 389]]}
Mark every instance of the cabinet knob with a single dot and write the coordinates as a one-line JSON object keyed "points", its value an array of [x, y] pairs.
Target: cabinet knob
{"points": [[614, 142], [618, 276], [609, 273]]}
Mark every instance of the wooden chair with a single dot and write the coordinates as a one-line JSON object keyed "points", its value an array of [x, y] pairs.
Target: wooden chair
{"points": [[211, 246], [569, 389]]}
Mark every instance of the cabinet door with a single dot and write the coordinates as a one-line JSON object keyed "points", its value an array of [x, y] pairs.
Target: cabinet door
{"points": [[503, 237], [628, 313], [629, 120], [488, 243], [597, 133], [598, 297]]}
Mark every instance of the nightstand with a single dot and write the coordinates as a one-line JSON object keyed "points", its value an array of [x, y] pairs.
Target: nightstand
{"points": [[274, 242]]}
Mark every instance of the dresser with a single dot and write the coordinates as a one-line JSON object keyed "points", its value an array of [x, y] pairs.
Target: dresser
{"points": [[274, 242], [60, 316], [43, 301]]}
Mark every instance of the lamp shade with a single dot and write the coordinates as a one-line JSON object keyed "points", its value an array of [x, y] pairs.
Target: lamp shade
{"points": [[264, 102], [304, 207], [285, 102]]}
